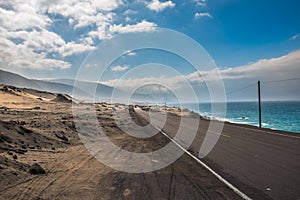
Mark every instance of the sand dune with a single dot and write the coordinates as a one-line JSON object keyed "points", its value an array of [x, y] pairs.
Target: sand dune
{"points": [[61, 98]]}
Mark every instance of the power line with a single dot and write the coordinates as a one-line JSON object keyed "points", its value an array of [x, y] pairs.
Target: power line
{"points": [[245, 87], [254, 84], [283, 80], [233, 91]]}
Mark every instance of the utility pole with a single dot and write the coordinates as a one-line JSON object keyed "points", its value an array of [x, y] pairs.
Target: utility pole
{"points": [[259, 104], [165, 102]]}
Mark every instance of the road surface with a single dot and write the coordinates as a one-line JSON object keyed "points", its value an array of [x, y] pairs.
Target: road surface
{"points": [[254, 160]]}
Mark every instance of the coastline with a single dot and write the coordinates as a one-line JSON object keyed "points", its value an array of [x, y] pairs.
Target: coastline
{"points": [[251, 157], [186, 112], [38, 128], [276, 115]]}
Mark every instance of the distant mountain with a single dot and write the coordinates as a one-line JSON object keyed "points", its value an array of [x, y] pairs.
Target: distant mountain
{"points": [[103, 92], [9, 78], [84, 90]]}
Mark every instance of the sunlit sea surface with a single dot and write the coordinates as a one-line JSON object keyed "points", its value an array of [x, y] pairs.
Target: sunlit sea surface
{"points": [[283, 115]]}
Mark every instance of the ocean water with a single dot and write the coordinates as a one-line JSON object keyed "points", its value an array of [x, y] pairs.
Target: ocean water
{"points": [[283, 115]]}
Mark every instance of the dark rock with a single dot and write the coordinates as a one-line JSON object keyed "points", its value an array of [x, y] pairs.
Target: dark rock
{"points": [[24, 130], [4, 108], [61, 136], [15, 157], [15, 173], [38, 198], [36, 169], [4, 138], [21, 151]]}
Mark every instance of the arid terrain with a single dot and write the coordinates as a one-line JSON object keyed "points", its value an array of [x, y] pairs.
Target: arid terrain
{"points": [[43, 158]]}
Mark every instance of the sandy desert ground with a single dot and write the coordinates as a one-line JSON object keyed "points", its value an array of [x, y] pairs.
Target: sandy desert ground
{"points": [[42, 157]]}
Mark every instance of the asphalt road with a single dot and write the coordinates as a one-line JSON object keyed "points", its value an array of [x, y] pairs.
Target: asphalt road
{"points": [[257, 161]]}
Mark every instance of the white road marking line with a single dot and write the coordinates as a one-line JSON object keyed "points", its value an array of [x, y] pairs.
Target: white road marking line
{"points": [[237, 191]]}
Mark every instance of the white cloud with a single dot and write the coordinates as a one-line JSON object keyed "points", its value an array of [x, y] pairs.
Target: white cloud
{"points": [[171, 82], [204, 14], [85, 13], [130, 12], [87, 40], [29, 49], [99, 19], [71, 21], [28, 40], [128, 19], [294, 37], [106, 5], [76, 8], [32, 49], [107, 30], [102, 32], [72, 48], [130, 53], [284, 67], [119, 68], [143, 26], [158, 6], [22, 17], [200, 2], [281, 68], [41, 63], [52, 64]]}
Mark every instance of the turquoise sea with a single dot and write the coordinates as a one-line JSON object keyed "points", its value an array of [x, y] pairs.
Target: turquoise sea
{"points": [[280, 115]]}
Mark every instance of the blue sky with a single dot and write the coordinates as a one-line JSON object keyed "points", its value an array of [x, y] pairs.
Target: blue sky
{"points": [[50, 39]]}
